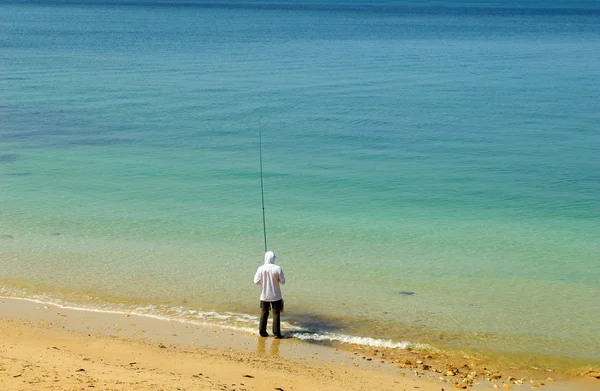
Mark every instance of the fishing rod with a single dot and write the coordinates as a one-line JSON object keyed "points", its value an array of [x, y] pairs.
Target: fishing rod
{"points": [[262, 187]]}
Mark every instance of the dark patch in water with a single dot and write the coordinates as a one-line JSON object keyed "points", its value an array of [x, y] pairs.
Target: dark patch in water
{"points": [[19, 174], [55, 233], [99, 142], [313, 322], [6, 237], [406, 293], [8, 158]]}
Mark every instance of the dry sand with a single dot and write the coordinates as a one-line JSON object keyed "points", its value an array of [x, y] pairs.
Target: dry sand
{"points": [[45, 347]]}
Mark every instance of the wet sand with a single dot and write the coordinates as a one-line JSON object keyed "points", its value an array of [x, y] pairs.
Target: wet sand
{"points": [[45, 347]]}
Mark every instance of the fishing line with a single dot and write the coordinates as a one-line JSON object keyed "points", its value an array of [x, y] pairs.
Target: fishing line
{"points": [[262, 187]]}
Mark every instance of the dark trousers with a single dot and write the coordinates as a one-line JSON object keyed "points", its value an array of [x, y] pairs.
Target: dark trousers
{"points": [[265, 306]]}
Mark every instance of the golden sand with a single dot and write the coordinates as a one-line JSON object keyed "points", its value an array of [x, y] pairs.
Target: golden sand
{"points": [[45, 347]]}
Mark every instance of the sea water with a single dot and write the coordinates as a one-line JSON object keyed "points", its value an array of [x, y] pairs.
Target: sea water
{"points": [[431, 170]]}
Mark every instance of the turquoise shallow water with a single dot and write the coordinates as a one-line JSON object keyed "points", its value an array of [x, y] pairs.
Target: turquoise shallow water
{"points": [[450, 152]]}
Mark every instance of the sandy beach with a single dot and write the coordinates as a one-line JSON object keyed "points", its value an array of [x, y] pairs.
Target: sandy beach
{"points": [[45, 347]]}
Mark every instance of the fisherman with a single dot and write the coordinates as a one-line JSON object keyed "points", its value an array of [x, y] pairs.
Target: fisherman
{"points": [[269, 276]]}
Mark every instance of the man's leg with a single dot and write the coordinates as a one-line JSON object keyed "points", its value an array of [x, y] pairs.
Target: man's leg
{"points": [[277, 307], [264, 315]]}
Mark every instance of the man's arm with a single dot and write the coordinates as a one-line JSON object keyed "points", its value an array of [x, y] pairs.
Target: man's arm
{"points": [[258, 277], [281, 277]]}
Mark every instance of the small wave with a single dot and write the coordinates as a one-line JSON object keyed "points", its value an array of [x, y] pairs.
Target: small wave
{"points": [[355, 340], [172, 314], [240, 322]]}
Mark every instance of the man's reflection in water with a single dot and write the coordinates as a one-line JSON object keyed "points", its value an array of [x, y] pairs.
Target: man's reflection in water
{"points": [[275, 347], [261, 347]]}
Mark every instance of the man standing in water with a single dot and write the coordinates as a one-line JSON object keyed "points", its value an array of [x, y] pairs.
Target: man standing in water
{"points": [[269, 276]]}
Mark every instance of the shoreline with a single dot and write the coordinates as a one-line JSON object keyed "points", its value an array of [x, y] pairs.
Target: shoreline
{"points": [[36, 325], [83, 348]]}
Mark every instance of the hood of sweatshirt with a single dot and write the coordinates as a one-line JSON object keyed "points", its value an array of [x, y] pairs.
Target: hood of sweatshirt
{"points": [[270, 257]]}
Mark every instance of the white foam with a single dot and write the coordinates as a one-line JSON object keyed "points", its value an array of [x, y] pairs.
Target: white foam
{"points": [[205, 319], [355, 340], [227, 320]]}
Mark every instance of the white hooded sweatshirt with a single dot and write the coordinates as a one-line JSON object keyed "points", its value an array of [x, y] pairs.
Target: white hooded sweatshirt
{"points": [[269, 276]]}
